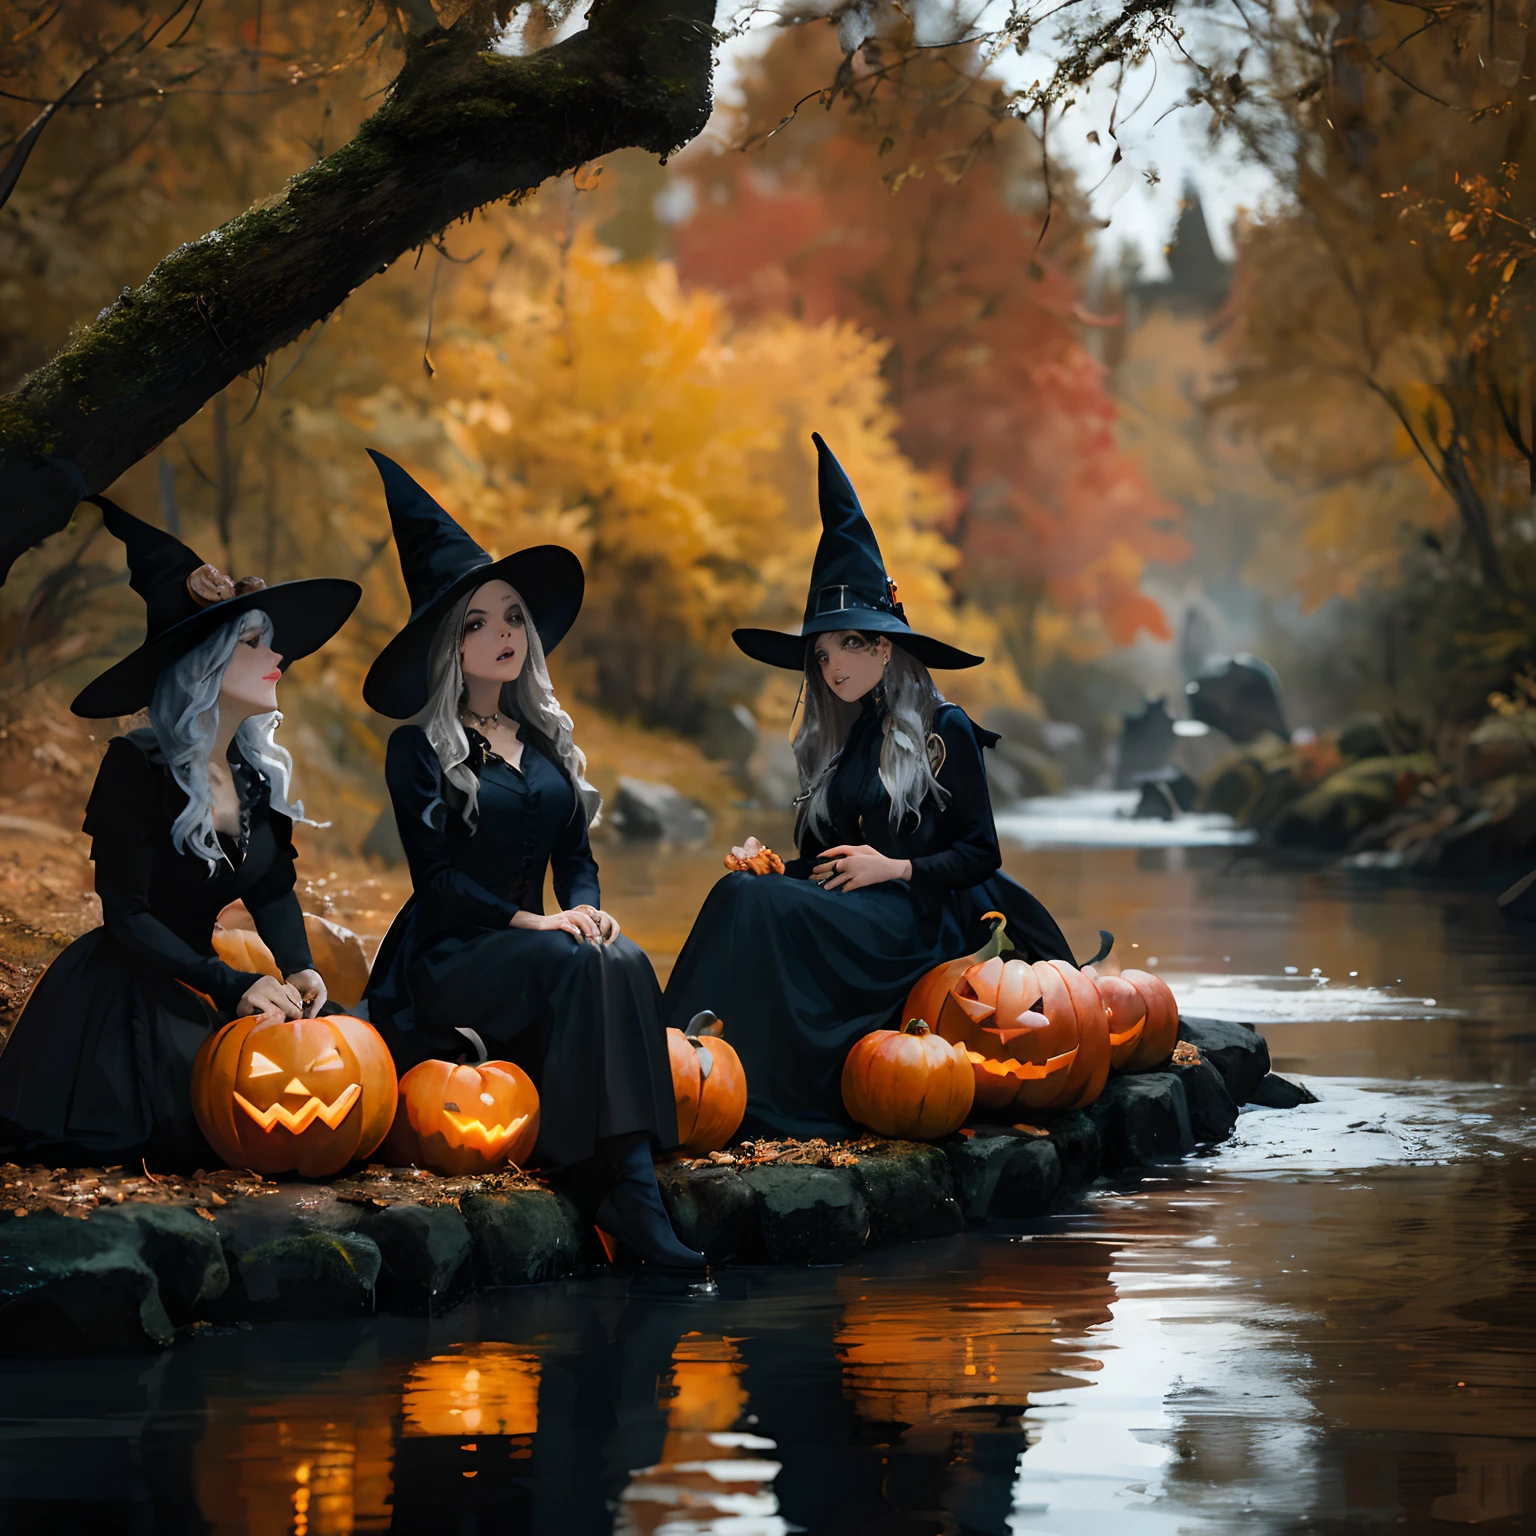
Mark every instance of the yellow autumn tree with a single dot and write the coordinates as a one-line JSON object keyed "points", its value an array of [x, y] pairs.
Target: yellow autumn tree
{"points": [[564, 395]]}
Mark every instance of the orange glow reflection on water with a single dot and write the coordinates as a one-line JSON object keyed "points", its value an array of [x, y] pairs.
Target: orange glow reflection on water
{"points": [[707, 1472], [310, 1466], [477, 1389]]}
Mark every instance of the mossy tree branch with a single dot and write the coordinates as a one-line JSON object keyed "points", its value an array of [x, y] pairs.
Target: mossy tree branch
{"points": [[461, 127]]}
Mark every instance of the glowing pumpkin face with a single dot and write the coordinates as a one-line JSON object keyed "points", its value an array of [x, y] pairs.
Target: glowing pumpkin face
{"points": [[1036, 1035], [458, 1119], [303, 1096]]}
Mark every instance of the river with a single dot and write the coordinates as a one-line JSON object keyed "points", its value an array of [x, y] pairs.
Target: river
{"points": [[1326, 1325]]}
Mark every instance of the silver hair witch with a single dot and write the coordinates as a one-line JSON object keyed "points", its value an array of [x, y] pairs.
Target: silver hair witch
{"points": [[533, 695], [911, 701], [184, 714]]}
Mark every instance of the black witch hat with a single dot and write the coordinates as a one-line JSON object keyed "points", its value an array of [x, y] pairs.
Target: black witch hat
{"points": [[849, 587], [440, 563], [186, 600]]}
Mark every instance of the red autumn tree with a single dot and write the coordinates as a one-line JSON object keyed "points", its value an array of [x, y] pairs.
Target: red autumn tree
{"points": [[920, 210]]}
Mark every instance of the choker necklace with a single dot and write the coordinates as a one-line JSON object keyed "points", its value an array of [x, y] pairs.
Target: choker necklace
{"points": [[485, 722]]}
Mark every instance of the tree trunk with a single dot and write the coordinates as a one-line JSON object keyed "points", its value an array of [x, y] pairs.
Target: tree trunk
{"points": [[461, 128]]}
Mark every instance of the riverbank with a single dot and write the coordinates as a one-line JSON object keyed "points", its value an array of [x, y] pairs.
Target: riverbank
{"points": [[112, 1261]]}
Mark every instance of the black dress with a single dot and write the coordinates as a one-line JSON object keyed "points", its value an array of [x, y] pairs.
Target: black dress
{"points": [[583, 1020], [98, 1068], [798, 973]]}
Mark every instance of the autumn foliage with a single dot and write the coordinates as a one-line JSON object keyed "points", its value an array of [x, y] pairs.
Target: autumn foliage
{"points": [[923, 220]]}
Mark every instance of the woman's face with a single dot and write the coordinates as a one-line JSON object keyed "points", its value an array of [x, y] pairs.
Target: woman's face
{"points": [[851, 664], [495, 643], [249, 684]]}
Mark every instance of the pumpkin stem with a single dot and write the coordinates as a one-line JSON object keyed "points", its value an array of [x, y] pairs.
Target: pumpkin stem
{"points": [[474, 1039], [916, 1027], [998, 943], [704, 1022]]}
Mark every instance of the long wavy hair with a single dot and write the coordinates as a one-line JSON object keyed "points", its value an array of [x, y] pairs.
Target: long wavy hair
{"points": [[909, 705], [530, 698], [184, 714]]}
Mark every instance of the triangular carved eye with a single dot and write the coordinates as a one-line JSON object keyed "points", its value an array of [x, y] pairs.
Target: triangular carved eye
{"points": [[329, 1058], [260, 1066]]}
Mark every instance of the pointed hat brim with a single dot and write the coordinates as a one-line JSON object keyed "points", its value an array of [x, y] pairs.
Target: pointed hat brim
{"points": [[305, 614], [777, 649], [548, 578]]}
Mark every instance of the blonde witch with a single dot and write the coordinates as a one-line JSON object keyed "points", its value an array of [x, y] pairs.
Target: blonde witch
{"points": [[529, 698]]}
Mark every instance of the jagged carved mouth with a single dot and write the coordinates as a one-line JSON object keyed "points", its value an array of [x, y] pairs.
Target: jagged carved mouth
{"points": [[296, 1120], [476, 1133], [1025, 1071]]}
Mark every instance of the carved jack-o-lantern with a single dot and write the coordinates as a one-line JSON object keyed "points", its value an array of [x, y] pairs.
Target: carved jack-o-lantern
{"points": [[464, 1119], [708, 1082], [1040, 1030], [302, 1096]]}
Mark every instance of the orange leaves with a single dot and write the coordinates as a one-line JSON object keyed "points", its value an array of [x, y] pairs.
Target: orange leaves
{"points": [[995, 389]]}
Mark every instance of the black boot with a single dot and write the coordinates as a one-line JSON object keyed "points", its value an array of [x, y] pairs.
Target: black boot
{"points": [[633, 1211]]}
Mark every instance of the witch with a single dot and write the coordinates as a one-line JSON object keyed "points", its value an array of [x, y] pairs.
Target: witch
{"points": [[898, 859], [188, 813], [489, 791]]}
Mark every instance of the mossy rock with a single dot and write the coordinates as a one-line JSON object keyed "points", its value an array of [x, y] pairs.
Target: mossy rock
{"points": [[1329, 815]]}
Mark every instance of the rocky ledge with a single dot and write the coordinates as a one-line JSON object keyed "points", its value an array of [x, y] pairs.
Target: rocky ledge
{"points": [[107, 1261]]}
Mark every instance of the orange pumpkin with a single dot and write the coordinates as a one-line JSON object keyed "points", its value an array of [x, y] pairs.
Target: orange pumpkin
{"points": [[1127, 1010], [1037, 1035], [337, 952], [464, 1119], [908, 1083], [1161, 1032], [928, 998], [709, 1083], [302, 1096], [242, 949]]}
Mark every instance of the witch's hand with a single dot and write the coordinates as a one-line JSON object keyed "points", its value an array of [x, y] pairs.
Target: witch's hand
{"points": [[272, 999], [607, 923], [310, 985], [577, 924], [850, 867]]}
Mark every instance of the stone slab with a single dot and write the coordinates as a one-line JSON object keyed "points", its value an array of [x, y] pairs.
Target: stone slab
{"points": [[1212, 1114], [1005, 1173], [1238, 1051], [523, 1237], [1277, 1092], [426, 1257], [1143, 1120], [809, 1215], [910, 1192], [714, 1211]]}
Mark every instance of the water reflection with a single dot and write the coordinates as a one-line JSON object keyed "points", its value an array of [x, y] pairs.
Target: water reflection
{"points": [[483, 1389], [711, 1477], [1329, 1326], [313, 1465]]}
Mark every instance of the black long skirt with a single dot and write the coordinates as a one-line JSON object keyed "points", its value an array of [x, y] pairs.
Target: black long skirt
{"points": [[99, 1067], [797, 974], [583, 1020]]}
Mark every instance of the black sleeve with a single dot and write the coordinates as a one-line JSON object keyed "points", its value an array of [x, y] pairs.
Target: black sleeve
{"points": [[273, 906], [972, 855], [125, 820], [448, 898], [572, 865]]}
